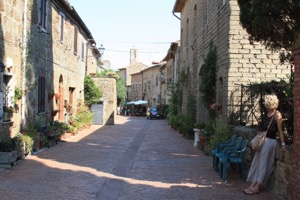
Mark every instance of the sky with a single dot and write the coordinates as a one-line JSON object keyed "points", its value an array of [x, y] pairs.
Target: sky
{"points": [[119, 25]]}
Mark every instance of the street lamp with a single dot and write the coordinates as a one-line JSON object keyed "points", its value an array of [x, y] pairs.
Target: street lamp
{"points": [[101, 49]]}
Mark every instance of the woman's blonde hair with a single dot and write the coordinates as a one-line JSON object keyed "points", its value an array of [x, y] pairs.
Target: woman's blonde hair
{"points": [[271, 101]]}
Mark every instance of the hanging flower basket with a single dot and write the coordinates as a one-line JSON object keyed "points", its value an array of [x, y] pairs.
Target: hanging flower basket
{"points": [[54, 112]]}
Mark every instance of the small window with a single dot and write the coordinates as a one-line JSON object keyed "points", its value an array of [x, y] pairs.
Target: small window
{"points": [[62, 26], [41, 94], [205, 13], [43, 14], [82, 51], [75, 39]]}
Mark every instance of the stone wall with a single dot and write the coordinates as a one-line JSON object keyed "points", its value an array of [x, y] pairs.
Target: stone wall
{"points": [[108, 88], [279, 181]]}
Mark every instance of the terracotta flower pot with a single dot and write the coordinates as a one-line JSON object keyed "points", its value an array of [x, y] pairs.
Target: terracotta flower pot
{"points": [[57, 96]]}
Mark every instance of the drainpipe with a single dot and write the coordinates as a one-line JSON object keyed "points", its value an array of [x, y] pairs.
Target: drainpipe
{"points": [[23, 67], [175, 15]]}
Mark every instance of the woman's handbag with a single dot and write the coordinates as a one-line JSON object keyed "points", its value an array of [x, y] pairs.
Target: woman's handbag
{"points": [[258, 141]]}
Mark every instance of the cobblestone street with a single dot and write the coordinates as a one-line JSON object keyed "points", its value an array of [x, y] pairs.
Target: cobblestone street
{"points": [[135, 159]]}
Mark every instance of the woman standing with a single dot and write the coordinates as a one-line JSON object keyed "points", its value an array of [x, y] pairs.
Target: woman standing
{"points": [[263, 162]]}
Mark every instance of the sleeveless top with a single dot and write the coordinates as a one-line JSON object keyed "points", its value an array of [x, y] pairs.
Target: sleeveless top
{"points": [[273, 127]]}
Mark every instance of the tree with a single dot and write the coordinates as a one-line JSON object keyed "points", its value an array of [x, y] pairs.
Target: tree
{"points": [[92, 93], [274, 23], [121, 90]]}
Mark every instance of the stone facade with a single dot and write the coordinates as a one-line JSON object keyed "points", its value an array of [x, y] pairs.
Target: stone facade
{"points": [[136, 92], [126, 73], [238, 61], [109, 97], [51, 51], [10, 62], [152, 86]]}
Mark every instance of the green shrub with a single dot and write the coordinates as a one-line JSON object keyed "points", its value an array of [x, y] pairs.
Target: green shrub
{"points": [[7, 145]]}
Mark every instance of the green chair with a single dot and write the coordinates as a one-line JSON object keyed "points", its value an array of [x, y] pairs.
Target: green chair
{"points": [[233, 155], [219, 148]]}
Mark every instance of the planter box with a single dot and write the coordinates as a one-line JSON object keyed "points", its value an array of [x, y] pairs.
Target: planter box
{"points": [[7, 159]]}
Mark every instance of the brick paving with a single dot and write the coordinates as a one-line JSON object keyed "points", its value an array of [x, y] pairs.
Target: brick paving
{"points": [[135, 159]]}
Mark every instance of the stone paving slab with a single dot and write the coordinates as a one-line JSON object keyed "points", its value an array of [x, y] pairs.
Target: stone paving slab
{"points": [[134, 159]]}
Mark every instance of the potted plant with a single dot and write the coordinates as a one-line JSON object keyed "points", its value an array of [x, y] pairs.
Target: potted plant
{"points": [[199, 127], [18, 94], [57, 96], [8, 153], [7, 113], [24, 144]]}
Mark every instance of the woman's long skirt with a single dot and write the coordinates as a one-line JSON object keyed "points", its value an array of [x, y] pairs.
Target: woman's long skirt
{"points": [[262, 165]]}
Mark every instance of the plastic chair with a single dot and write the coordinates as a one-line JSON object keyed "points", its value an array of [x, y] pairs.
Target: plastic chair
{"points": [[234, 156], [220, 147]]}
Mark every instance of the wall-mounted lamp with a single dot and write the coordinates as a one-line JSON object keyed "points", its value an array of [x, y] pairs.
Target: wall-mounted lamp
{"points": [[91, 43], [101, 49]]}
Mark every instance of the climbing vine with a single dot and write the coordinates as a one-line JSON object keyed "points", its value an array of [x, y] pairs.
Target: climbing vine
{"points": [[208, 79]]}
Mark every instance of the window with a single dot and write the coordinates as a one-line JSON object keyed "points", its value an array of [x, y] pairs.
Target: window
{"points": [[62, 24], [204, 13], [41, 94], [75, 39], [43, 14], [82, 51]]}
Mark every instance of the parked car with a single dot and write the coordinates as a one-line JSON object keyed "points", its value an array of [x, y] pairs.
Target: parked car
{"points": [[153, 113]]}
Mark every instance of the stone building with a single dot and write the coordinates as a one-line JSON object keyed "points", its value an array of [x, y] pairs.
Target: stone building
{"points": [[48, 53], [171, 71], [152, 89], [136, 88], [238, 61], [134, 67]]}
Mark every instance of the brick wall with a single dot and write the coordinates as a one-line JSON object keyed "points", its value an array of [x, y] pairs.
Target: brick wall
{"points": [[239, 62]]}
